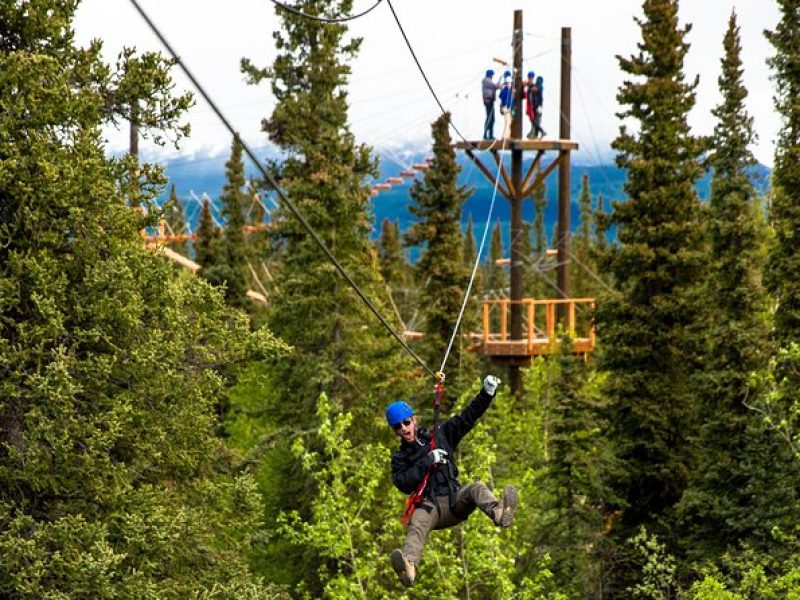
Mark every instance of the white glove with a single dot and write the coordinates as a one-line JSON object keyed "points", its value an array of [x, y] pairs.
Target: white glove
{"points": [[438, 456], [490, 384]]}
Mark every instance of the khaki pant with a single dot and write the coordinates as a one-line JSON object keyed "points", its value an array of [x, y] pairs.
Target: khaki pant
{"points": [[432, 515], [507, 119]]}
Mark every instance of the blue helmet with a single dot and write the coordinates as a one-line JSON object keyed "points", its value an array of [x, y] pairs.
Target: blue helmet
{"points": [[398, 411], [531, 74], [489, 73], [507, 74]]}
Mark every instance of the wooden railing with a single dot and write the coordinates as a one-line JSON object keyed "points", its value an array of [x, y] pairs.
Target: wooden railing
{"points": [[535, 339]]}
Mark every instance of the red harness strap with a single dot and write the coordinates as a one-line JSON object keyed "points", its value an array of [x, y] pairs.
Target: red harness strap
{"points": [[415, 499]]}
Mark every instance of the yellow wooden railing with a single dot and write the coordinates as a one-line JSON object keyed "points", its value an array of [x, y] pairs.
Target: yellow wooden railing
{"points": [[496, 321]]}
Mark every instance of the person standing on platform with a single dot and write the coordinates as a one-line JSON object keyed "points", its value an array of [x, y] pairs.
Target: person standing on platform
{"points": [[538, 102], [507, 104], [530, 105], [489, 94]]}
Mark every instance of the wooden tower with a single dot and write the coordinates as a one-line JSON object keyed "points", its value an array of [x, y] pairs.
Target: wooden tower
{"points": [[519, 338]]}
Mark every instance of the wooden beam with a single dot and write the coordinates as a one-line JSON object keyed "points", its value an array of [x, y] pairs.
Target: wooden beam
{"points": [[187, 263], [542, 175], [518, 144], [534, 168], [509, 184], [488, 174]]}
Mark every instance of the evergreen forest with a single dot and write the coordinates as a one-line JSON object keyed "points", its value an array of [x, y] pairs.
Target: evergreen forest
{"points": [[218, 432]]}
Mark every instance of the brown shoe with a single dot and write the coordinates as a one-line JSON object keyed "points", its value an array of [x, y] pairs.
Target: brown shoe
{"points": [[404, 568], [504, 514]]}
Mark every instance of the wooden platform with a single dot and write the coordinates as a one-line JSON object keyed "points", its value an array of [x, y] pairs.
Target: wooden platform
{"points": [[518, 144], [536, 340]]}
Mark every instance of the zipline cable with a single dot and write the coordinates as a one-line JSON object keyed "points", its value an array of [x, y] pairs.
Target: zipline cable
{"points": [[300, 13], [281, 194]]}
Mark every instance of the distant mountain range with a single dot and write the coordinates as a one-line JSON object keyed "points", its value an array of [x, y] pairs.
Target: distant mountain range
{"points": [[194, 178]]}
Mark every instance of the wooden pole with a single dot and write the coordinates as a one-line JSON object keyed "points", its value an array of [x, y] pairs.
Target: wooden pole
{"points": [[562, 275], [517, 257], [133, 146]]}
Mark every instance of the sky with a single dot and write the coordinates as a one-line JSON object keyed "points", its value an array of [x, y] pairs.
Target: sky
{"points": [[456, 41]]}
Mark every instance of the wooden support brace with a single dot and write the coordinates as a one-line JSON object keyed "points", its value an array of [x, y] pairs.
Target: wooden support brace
{"points": [[499, 161], [488, 174], [532, 170], [542, 175]]}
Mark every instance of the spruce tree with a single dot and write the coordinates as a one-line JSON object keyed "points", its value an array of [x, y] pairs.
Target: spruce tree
{"points": [[783, 272], [539, 235], [784, 259], [112, 484], [581, 261], [571, 482], [600, 226], [734, 496], [207, 234], [470, 255], [174, 217], [390, 254], [395, 270], [339, 348], [229, 267], [324, 173], [441, 273], [539, 288], [648, 329], [470, 250], [495, 275]]}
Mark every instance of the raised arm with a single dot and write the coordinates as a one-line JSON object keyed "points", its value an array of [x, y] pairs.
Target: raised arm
{"points": [[460, 425]]}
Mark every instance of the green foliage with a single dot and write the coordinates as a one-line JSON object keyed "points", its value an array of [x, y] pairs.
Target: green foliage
{"points": [[390, 253], [649, 330], [735, 454], [395, 270], [657, 567], [338, 346], [777, 403], [600, 225], [583, 284], [228, 265], [784, 261], [747, 574], [172, 213], [208, 234], [354, 524], [112, 482], [495, 278]]}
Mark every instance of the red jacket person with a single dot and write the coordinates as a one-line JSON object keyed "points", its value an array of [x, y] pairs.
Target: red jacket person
{"points": [[419, 464]]}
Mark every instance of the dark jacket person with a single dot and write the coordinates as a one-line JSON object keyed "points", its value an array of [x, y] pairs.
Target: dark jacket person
{"points": [[444, 502]]}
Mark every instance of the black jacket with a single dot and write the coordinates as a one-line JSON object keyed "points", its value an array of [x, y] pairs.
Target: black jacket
{"points": [[411, 462]]}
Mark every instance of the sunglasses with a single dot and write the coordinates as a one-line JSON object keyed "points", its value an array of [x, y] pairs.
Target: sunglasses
{"points": [[403, 423]]}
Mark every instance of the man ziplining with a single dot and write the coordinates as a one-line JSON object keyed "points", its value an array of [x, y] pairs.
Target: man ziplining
{"points": [[424, 467]]}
